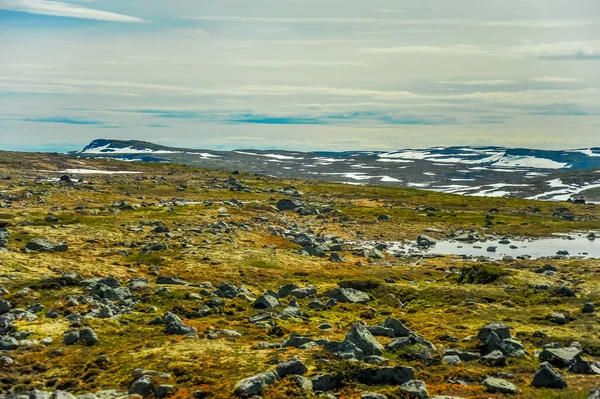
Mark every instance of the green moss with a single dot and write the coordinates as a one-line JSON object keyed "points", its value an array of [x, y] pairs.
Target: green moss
{"points": [[481, 274]]}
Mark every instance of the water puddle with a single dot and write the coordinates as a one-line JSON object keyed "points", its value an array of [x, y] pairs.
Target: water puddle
{"points": [[572, 245]]}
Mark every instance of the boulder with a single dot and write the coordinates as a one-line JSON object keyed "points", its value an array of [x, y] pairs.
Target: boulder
{"points": [[254, 385], [386, 375], [41, 245], [364, 340], [547, 377], [291, 366], [349, 295], [142, 386], [325, 382], [497, 385], [266, 302], [415, 389], [560, 357], [399, 329]]}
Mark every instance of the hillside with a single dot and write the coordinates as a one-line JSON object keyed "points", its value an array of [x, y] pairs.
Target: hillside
{"points": [[168, 280], [476, 171]]}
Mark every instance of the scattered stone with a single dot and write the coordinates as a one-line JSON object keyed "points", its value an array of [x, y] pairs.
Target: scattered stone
{"points": [[41, 245], [291, 366], [349, 295], [415, 389], [497, 385], [547, 377], [254, 385], [364, 340]]}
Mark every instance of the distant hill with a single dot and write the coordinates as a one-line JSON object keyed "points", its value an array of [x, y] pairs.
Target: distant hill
{"points": [[483, 171]]}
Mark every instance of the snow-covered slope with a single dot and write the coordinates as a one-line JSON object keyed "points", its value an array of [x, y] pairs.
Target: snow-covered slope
{"points": [[480, 171]]}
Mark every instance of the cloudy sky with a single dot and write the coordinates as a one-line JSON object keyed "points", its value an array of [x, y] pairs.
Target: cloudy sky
{"points": [[300, 74]]}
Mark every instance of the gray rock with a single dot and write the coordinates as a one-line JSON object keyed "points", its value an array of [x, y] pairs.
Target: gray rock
{"points": [[291, 366], [344, 350], [36, 394], [415, 389], [162, 391], [179, 329], [426, 241], [62, 395], [88, 336], [349, 295], [380, 331], [557, 318], [501, 330], [399, 343], [495, 358], [560, 357], [142, 386], [372, 395], [303, 292], [497, 385], [336, 258], [302, 383], [363, 339], [71, 338], [4, 306], [588, 307], [286, 290], [386, 375], [451, 360], [399, 329], [266, 302], [547, 377], [254, 385], [325, 382], [39, 244]]}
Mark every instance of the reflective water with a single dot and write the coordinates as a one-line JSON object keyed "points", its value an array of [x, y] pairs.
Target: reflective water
{"points": [[576, 245]]}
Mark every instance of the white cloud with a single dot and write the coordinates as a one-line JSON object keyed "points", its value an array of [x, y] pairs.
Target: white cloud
{"points": [[434, 50], [493, 82], [589, 49], [554, 79], [536, 23], [61, 9]]}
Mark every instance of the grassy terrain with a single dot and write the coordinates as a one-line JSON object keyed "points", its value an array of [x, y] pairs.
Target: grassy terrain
{"points": [[438, 302]]}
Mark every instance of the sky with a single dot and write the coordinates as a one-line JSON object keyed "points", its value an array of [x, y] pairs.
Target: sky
{"points": [[300, 74]]}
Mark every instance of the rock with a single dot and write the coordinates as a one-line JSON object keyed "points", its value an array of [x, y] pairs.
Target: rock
{"points": [[62, 395], [349, 295], [303, 292], [451, 360], [335, 257], [426, 241], [6, 360], [547, 377], [560, 357], [380, 331], [495, 358], [39, 244], [399, 329], [399, 343], [286, 290], [497, 385], [71, 338], [384, 218], [289, 204], [325, 382], [169, 280], [301, 383], [588, 307], [47, 341], [386, 375], [364, 340], [415, 389], [372, 395], [563, 290], [325, 326], [344, 350], [291, 366], [225, 290], [266, 302], [464, 356], [557, 318], [501, 330], [4, 236], [162, 391], [8, 343], [4, 306], [179, 329], [254, 385], [88, 336], [142, 386]]}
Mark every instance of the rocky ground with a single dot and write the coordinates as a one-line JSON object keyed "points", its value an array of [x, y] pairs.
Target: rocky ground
{"points": [[190, 283]]}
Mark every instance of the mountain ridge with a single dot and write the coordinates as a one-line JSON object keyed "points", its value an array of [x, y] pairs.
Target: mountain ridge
{"points": [[481, 170]]}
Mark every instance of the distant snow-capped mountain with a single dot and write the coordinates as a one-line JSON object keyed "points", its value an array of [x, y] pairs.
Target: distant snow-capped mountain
{"points": [[483, 171]]}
